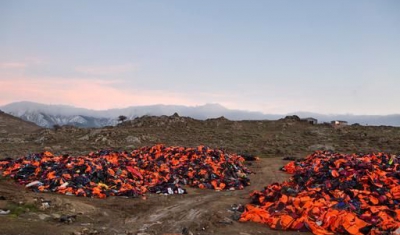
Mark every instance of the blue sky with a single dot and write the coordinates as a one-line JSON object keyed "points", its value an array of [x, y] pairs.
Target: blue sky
{"points": [[269, 56]]}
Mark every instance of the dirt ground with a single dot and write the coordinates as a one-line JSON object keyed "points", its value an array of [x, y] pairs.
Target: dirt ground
{"points": [[198, 212]]}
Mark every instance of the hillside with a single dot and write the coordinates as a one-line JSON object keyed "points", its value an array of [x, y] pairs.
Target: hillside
{"points": [[16, 134], [266, 138], [13, 126]]}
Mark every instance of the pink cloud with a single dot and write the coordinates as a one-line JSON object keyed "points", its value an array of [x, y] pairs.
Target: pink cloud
{"points": [[12, 65], [106, 70], [101, 94], [35, 60], [93, 94]]}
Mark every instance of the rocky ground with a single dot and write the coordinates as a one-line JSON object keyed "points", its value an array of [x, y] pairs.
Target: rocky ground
{"points": [[200, 211], [265, 138]]}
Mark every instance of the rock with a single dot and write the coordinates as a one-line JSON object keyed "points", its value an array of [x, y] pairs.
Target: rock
{"points": [[68, 219], [56, 216], [321, 147], [226, 221], [58, 202], [132, 140], [103, 213], [186, 231], [45, 206], [84, 138], [16, 140], [236, 216], [130, 147], [40, 140], [86, 231], [56, 147], [44, 217], [95, 132]]}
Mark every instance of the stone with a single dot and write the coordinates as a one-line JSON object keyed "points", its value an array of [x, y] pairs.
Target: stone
{"points": [[40, 140], [56, 147], [103, 213], [132, 140], [95, 132], [321, 147], [44, 216], [84, 138], [45, 206], [56, 216]]}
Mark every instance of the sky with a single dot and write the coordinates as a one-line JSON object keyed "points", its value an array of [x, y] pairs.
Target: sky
{"points": [[330, 57]]}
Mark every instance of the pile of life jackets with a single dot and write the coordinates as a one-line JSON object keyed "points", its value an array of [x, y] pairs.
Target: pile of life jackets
{"points": [[332, 193], [156, 169]]}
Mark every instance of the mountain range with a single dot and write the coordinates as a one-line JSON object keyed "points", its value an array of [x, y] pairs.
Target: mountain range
{"points": [[49, 115]]}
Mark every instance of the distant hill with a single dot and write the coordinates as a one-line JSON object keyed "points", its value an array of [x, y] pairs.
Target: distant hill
{"points": [[50, 115]]}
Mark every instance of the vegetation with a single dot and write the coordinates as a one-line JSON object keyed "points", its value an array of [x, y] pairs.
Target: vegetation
{"points": [[19, 209], [122, 118], [56, 127]]}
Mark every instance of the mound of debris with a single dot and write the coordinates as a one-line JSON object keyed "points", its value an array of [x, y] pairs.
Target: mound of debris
{"points": [[156, 169], [332, 193]]}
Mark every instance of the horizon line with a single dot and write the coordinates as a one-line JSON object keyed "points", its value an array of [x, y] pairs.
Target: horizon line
{"points": [[194, 106]]}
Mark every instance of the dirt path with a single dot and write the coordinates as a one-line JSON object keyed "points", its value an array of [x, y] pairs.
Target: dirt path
{"points": [[199, 212]]}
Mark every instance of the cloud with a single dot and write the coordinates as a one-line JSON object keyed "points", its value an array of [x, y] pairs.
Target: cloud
{"points": [[89, 93], [97, 92], [34, 60], [106, 70], [12, 65], [22, 64], [100, 94]]}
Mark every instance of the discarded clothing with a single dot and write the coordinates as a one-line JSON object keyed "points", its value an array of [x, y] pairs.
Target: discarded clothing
{"points": [[4, 212], [332, 193], [156, 169]]}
